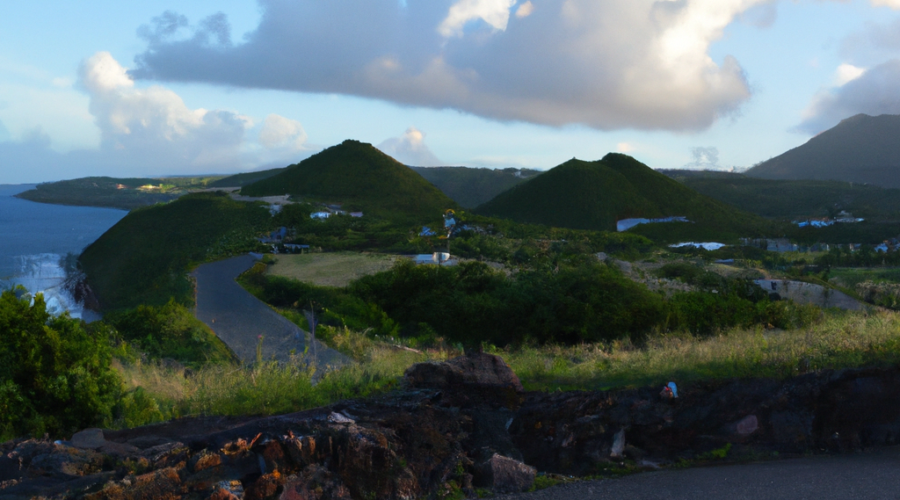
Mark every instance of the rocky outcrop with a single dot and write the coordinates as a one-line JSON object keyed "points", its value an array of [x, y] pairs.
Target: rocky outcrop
{"points": [[458, 426]]}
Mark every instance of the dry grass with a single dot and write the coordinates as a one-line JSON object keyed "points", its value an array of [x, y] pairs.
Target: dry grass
{"points": [[272, 388], [848, 340], [330, 269]]}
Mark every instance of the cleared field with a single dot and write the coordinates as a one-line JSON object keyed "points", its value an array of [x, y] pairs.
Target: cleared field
{"points": [[330, 269]]}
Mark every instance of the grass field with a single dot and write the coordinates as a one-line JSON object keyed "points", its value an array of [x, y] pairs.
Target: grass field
{"points": [[330, 269]]}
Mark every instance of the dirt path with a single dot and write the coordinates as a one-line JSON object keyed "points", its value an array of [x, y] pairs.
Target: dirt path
{"points": [[239, 318], [870, 475]]}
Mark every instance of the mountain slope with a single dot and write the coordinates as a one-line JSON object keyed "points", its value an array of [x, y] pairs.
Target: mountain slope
{"points": [[471, 187], [238, 180], [862, 148], [594, 195], [362, 178]]}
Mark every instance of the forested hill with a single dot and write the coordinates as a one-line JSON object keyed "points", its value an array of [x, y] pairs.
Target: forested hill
{"points": [[862, 149], [594, 195], [360, 177], [471, 187]]}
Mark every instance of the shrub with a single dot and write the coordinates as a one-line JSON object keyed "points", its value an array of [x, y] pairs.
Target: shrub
{"points": [[55, 376], [170, 331]]}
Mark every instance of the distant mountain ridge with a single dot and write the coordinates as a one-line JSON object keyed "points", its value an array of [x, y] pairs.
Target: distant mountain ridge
{"points": [[862, 148], [471, 187], [362, 178], [594, 195]]}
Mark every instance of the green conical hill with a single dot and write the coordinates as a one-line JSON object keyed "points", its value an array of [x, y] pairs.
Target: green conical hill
{"points": [[594, 195], [360, 177]]}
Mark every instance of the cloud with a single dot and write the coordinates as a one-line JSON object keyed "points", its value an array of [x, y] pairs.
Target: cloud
{"points": [[525, 9], [614, 64], [280, 132], [873, 93], [410, 149], [705, 158], [894, 4], [846, 73], [493, 12], [151, 131]]}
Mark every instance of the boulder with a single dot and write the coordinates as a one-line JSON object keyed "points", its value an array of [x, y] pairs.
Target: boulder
{"points": [[478, 369], [88, 439], [504, 475]]}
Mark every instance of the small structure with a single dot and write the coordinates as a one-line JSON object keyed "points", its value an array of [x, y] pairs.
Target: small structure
{"points": [[356, 214], [626, 224], [295, 248], [320, 215], [426, 231], [439, 258]]}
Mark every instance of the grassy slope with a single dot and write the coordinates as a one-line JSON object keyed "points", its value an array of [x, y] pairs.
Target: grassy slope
{"points": [[594, 195], [144, 258], [244, 179], [362, 178], [103, 192], [471, 187]]}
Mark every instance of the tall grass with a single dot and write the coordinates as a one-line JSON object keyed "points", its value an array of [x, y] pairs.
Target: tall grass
{"points": [[839, 341], [266, 388], [844, 340]]}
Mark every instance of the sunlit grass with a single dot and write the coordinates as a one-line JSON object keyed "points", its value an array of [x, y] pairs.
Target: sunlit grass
{"points": [[838, 341], [842, 341]]}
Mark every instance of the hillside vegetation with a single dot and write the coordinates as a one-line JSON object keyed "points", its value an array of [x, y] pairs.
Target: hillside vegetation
{"points": [[794, 198], [239, 180], [115, 192], [360, 177], [861, 149], [594, 195], [471, 187], [145, 257]]}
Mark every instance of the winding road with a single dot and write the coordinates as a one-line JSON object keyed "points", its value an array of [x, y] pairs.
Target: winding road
{"points": [[871, 475], [241, 320]]}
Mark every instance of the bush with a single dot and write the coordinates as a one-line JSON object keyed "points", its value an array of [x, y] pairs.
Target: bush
{"points": [[55, 376], [170, 331]]}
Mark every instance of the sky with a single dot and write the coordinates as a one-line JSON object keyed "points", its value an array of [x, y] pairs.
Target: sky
{"points": [[160, 87]]}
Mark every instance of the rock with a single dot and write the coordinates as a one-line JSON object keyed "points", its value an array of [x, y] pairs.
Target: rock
{"points": [[145, 442], [64, 461], [618, 446], [88, 439], [747, 425], [504, 475], [475, 369]]}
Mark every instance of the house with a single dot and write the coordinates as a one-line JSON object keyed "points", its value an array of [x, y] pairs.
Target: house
{"points": [[320, 215], [295, 248], [356, 214], [426, 231]]}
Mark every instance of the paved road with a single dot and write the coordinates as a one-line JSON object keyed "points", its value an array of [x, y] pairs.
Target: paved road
{"points": [[873, 475], [239, 318]]}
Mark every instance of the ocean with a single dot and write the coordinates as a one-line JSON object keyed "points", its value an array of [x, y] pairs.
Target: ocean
{"points": [[37, 240]]}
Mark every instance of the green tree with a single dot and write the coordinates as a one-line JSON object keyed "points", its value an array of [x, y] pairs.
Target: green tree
{"points": [[55, 376]]}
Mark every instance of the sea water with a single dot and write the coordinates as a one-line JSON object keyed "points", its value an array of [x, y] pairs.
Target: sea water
{"points": [[39, 243]]}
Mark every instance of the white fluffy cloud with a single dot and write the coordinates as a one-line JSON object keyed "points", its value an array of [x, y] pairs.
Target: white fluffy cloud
{"points": [[280, 132], [846, 73], [410, 149], [613, 64], [151, 131], [493, 12]]}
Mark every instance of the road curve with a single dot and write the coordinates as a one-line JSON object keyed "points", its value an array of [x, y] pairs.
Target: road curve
{"points": [[239, 318], [872, 475]]}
